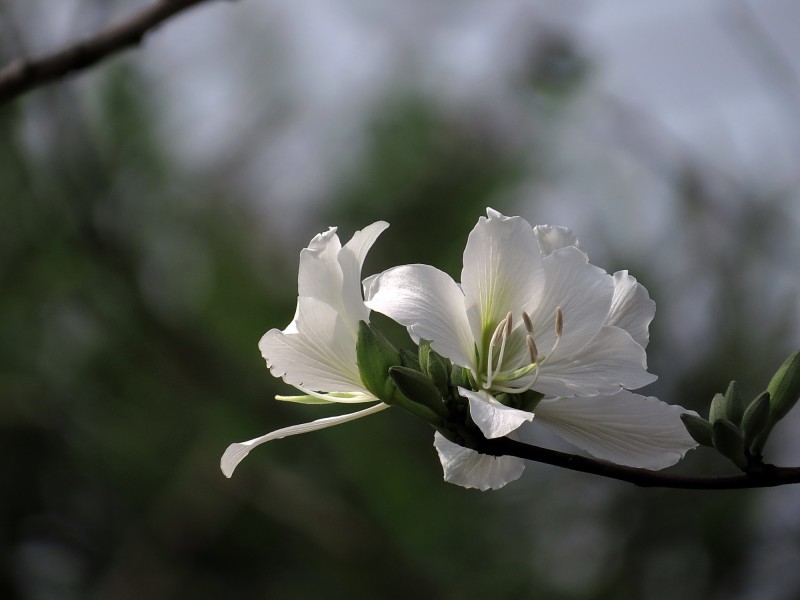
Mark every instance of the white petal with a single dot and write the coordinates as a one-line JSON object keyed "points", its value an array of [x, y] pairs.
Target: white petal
{"points": [[470, 469], [429, 303], [320, 275], [320, 355], [583, 292], [631, 307], [552, 238], [612, 360], [493, 418], [351, 260], [235, 453], [502, 271], [624, 428]]}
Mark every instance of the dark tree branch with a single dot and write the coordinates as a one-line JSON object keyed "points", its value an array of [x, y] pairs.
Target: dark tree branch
{"points": [[23, 74], [762, 476]]}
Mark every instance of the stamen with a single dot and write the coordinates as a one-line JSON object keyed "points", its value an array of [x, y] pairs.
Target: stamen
{"points": [[532, 350], [503, 331], [559, 322], [527, 320], [497, 333]]}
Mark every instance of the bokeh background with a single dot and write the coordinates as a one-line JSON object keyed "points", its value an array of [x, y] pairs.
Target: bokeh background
{"points": [[152, 211]]}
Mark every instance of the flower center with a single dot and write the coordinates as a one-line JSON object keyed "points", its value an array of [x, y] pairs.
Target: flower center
{"points": [[510, 379]]}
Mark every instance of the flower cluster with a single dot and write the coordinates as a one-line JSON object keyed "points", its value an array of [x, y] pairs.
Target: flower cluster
{"points": [[532, 334]]}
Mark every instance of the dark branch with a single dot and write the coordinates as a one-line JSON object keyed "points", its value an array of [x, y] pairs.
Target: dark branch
{"points": [[23, 74], [763, 476]]}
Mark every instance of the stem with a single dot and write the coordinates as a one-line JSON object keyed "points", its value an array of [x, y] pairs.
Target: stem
{"points": [[759, 477], [23, 74]]}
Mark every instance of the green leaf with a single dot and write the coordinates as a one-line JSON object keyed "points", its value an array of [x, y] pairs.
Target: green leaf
{"points": [[729, 442], [755, 421], [698, 428], [784, 388], [375, 356]]}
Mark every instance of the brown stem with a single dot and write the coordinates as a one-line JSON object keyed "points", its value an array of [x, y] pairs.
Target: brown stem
{"points": [[23, 74], [763, 476]]}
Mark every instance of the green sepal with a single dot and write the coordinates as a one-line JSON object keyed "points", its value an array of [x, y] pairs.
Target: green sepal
{"points": [[734, 404], [755, 421], [699, 428], [729, 442], [308, 399], [420, 390], [784, 388], [375, 356], [717, 410]]}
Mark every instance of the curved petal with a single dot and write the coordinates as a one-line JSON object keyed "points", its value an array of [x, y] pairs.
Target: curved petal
{"points": [[235, 453], [351, 260], [502, 272], [320, 275], [320, 355], [470, 469], [582, 291], [430, 304], [612, 360], [551, 238], [493, 418], [631, 308], [625, 428]]}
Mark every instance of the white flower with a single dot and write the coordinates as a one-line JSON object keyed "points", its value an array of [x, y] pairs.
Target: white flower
{"points": [[527, 290], [316, 353]]}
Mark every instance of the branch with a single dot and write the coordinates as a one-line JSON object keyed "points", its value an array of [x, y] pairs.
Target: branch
{"points": [[763, 476], [23, 75]]}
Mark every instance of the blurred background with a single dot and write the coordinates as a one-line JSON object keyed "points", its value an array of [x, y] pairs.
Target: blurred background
{"points": [[153, 210]]}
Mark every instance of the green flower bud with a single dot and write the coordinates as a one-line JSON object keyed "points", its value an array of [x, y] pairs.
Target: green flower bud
{"points": [[409, 359], [784, 389], [734, 404], [755, 421], [424, 352], [698, 428], [438, 369], [420, 390], [717, 410], [729, 442], [375, 356]]}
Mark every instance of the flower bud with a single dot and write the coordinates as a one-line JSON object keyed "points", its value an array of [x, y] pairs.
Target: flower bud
{"points": [[734, 404], [728, 441], [375, 356], [425, 399], [698, 428], [717, 410], [755, 421], [784, 389]]}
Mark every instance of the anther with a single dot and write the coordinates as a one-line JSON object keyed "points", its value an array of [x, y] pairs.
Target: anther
{"points": [[559, 322], [527, 320], [532, 350], [509, 321]]}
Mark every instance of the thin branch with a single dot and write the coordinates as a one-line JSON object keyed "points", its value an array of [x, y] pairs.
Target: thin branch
{"points": [[23, 74], [764, 476]]}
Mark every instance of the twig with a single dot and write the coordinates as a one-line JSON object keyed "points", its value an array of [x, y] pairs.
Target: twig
{"points": [[23, 74], [764, 476]]}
